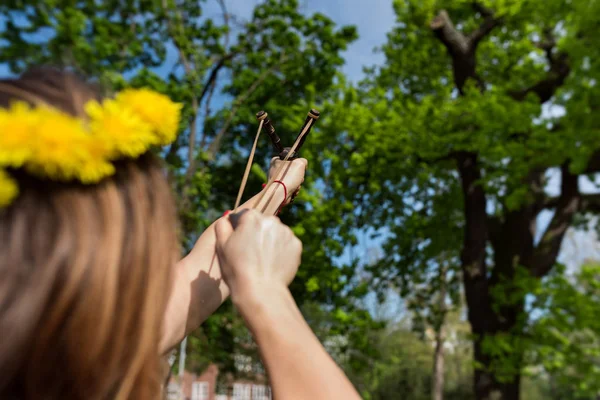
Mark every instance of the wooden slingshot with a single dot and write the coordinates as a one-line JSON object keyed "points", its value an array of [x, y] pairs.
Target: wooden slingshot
{"points": [[284, 153]]}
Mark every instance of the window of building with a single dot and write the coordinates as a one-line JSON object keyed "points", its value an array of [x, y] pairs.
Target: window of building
{"points": [[260, 392], [200, 391], [173, 392], [221, 397], [242, 391]]}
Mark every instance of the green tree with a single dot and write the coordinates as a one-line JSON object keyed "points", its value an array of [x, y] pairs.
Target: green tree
{"points": [[449, 146], [223, 70], [403, 369], [566, 335]]}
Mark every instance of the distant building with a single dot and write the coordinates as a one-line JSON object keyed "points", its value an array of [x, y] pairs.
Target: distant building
{"points": [[208, 386], [204, 386]]}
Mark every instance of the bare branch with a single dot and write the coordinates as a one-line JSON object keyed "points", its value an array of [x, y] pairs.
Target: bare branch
{"points": [[207, 113], [567, 205], [444, 29], [212, 77], [172, 28], [593, 164], [559, 70], [450, 156], [488, 24], [191, 73], [589, 203], [483, 10], [225, 21], [460, 49], [216, 143], [192, 142], [547, 44], [537, 182]]}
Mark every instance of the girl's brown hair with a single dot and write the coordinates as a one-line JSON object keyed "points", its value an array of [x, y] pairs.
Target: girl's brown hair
{"points": [[85, 271]]}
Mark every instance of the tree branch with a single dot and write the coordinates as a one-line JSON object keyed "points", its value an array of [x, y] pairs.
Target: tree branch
{"points": [[192, 74], [460, 48], [225, 21], [450, 156], [588, 203], [548, 45], [216, 143], [192, 142], [212, 77], [207, 113], [488, 24], [567, 205], [443, 28], [559, 70], [537, 182], [593, 164]]}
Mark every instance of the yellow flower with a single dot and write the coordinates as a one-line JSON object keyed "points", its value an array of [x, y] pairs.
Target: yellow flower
{"points": [[8, 189], [124, 132], [156, 109], [55, 145], [97, 165], [16, 130], [60, 148]]}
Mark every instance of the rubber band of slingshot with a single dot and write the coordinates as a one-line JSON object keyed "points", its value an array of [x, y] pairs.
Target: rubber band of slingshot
{"points": [[284, 196], [248, 166]]}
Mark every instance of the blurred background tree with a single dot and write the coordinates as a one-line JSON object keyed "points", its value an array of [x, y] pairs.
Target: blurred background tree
{"points": [[449, 147]]}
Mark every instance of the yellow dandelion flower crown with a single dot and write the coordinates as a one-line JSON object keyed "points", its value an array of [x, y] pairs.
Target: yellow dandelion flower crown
{"points": [[52, 144]]}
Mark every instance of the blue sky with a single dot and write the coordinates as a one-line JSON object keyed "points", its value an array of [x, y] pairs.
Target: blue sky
{"points": [[374, 18]]}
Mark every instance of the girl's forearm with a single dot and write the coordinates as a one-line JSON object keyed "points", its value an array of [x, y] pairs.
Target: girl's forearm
{"points": [[198, 289], [297, 364]]}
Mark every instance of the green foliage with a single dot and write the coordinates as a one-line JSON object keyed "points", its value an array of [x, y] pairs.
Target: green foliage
{"points": [[403, 368], [565, 338]]}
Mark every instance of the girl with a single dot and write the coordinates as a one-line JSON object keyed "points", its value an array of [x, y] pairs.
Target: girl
{"points": [[91, 293]]}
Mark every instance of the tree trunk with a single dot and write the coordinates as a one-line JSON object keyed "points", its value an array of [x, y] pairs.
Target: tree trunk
{"points": [[438, 366], [487, 386], [439, 325]]}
